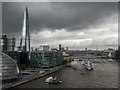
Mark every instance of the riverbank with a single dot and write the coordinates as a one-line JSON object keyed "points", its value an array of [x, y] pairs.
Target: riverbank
{"points": [[31, 77], [104, 75]]}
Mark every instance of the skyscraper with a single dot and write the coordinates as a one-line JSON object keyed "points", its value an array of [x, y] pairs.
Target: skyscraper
{"points": [[67, 48], [60, 47], [25, 40]]}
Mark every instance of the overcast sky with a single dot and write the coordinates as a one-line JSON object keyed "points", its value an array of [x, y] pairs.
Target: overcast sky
{"points": [[74, 24]]}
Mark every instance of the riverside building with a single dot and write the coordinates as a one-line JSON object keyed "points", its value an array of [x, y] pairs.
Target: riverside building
{"points": [[45, 59], [9, 69], [8, 44]]}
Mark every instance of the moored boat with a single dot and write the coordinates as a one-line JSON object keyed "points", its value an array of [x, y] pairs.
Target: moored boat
{"points": [[49, 79], [53, 80]]}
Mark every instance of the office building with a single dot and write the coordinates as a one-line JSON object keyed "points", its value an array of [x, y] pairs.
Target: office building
{"points": [[66, 56], [8, 44], [60, 47], [45, 59], [4, 42], [44, 47], [25, 40]]}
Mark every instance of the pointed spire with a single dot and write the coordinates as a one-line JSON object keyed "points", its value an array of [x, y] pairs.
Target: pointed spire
{"points": [[26, 10]]}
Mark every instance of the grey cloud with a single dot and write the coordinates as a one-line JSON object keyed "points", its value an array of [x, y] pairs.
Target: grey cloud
{"points": [[72, 16]]}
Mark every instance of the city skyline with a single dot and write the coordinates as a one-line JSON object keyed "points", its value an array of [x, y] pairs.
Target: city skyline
{"points": [[76, 25]]}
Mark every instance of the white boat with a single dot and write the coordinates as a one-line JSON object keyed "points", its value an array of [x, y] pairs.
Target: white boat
{"points": [[53, 80], [49, 79]]}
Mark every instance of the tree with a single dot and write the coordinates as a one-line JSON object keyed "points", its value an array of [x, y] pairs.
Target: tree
{"points": [[65, 62], [23, 67]]}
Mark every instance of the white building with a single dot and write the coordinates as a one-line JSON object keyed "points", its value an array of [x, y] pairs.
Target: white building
{"points": [[44, 47]]}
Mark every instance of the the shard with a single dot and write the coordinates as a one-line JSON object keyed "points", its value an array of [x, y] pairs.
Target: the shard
{"points": [[25, 40]]}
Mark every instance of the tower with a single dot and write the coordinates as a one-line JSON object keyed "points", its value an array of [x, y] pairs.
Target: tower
{"points": [[60, 47], [67, 48], [25, 40]]}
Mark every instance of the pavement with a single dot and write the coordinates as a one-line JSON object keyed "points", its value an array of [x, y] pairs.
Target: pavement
{"points": [[31, 76]]}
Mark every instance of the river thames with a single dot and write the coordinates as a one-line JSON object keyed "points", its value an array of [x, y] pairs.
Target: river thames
{"points": [[104, 75]]}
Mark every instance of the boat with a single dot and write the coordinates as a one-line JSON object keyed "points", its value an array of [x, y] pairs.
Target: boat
{"points": [[49, 79], [53, 80], [88, 65], [56, 80], [80, 59], [82, 73]]}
